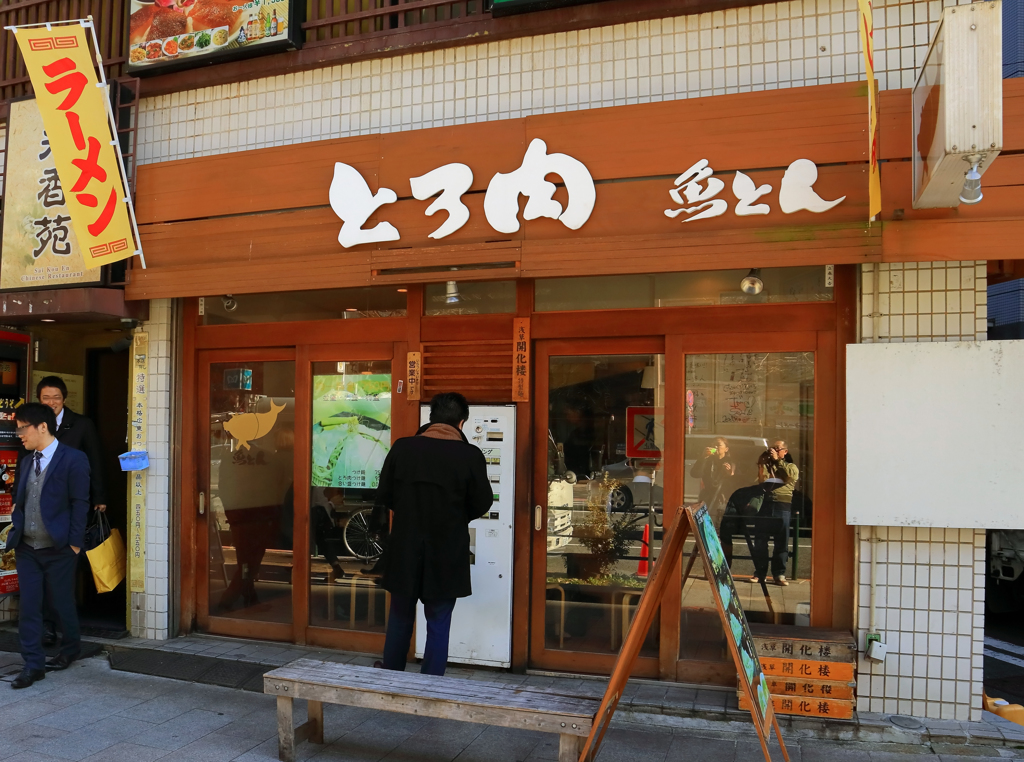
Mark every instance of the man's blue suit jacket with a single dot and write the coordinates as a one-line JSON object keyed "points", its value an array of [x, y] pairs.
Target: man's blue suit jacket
{"points": [[64, 502]]}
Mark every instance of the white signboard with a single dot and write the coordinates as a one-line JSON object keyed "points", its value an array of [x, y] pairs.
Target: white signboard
{"points": [[935, 434]]}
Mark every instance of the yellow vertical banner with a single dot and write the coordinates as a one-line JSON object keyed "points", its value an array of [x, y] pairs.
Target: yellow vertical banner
{"points": [[867, 41], [72, 103], [137, 483]]}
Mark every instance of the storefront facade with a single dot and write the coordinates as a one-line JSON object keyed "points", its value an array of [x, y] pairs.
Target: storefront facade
{"points": [[634, 308]]}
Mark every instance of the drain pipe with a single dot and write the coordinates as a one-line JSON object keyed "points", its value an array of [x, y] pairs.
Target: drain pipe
{"points": [[874, 648], [876, 326]]}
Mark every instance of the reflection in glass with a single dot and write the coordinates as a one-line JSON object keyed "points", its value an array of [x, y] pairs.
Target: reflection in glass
{"points": [[470, 297], [327, 304], [750, 418], [605, 485], [351, 436], [685, 289], [252, 445]]}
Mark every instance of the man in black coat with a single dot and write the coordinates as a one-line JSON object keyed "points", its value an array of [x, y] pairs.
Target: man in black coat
{"points": [[434, 484], [47, 534], [75, 431]]}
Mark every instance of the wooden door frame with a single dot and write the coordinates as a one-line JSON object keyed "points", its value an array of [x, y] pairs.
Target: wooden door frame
{"points": [[394, 352], [230, 626], [540, 656]]}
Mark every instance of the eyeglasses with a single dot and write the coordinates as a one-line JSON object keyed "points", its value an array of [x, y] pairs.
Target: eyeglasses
{"points": [[22, 429]]}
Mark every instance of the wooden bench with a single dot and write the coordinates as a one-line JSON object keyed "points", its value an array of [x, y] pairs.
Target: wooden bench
{"points": [[450, 698]]}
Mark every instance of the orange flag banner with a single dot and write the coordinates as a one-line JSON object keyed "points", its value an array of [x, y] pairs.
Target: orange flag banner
{"points": [[72, 103]]}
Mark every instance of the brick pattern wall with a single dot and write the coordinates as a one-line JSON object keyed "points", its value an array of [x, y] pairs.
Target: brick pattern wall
{"points": [[925, 301], [930, 583], [930, 610], [778, 45]]}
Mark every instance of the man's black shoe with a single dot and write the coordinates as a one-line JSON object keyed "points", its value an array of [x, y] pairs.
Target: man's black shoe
{"points": [[59, 662], [27, 677], [49, 639]]}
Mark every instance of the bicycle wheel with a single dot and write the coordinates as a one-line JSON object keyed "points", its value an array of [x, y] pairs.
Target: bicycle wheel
{"points": [[360, 541]]}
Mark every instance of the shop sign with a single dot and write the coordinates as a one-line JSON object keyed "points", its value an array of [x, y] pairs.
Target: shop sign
{"points": [[138, 483], [521, 360], [39, 245], [170, 35], [645, 427], [809, 707], [867, 43], [815, 670], [413, 377], [74, 111], [696, 193]]}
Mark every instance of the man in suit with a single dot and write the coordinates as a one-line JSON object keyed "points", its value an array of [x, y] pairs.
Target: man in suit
{"points": [[47, 533], [76, 431]]}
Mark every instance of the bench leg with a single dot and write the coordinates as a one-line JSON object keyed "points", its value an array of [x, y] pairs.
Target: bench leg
{"points": [[569, 747], [285, 730], [315, 710]]}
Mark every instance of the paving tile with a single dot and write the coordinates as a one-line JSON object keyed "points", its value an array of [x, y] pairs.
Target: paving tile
{"points": [[182, 730], [92, 739], [33, 756], [128, 752], [214, 748], [26, 735], [502, 745], [86, 711]]}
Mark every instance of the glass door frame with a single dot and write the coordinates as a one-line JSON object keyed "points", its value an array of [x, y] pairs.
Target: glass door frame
{"points": [[540, 656], [828, 574], [220, 625], [299, 630], [305, 633]]}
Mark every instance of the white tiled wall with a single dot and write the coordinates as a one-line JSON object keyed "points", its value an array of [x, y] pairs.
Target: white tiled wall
{"points": [[925, 301], [149, 609], [779, 45], [930, 583], [930, 611]]}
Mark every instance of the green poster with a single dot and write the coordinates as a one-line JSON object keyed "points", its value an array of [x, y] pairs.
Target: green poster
{"points": [[351, 429]]}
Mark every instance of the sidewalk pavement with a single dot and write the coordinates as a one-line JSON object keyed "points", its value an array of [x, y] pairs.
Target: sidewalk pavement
{"points": [[91, 712]]}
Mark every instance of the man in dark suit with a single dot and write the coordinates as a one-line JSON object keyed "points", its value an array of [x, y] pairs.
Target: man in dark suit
{"points": [[75, 431], [47, 533], [434, 483]]}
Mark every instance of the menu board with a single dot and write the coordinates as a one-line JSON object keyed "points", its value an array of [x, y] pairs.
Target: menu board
{"points": [[8, 471], [351, 429], [8, 572], [179, 34], [734, 621]]}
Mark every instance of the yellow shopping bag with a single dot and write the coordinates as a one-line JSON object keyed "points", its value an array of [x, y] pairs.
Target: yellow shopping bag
{"points": [[108, 562]]}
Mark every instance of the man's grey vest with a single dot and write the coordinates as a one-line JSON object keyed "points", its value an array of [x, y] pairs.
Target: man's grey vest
{"points": [[35, 533]]}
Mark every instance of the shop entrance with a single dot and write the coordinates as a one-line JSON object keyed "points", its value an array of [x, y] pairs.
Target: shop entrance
{"points": [[291, 445], [628, 429]]}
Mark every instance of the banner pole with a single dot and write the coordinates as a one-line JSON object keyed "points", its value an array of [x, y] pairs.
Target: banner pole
{"points": [[114, 141]]}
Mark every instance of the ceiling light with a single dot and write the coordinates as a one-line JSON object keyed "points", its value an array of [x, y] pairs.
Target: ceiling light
{"points": [[971, 194], [752, 284], [451, 293], [351, 309], [49, 320], [402, 290]]}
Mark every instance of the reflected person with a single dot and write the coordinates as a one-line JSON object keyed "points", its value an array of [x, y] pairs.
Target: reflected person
{"points": [[715, 469], [780, 508]]}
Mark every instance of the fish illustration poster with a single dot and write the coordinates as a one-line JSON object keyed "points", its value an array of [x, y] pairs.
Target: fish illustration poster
{"points": [[351, 429]]}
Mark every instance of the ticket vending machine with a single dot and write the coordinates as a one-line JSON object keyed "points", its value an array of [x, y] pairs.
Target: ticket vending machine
{"points": [[482, 624]]}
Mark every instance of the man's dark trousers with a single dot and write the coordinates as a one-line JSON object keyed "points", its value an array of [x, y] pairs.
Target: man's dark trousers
{"points": [[51, 570], [402, 619]]}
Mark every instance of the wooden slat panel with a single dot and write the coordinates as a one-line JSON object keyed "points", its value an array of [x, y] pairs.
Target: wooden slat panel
{"points": [[473, 368], [236, 183], [895, 121], [719, 249]]}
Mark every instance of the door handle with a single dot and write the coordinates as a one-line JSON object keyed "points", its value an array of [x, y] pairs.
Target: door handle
{"points": [[202, 503], [537, 512]]}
